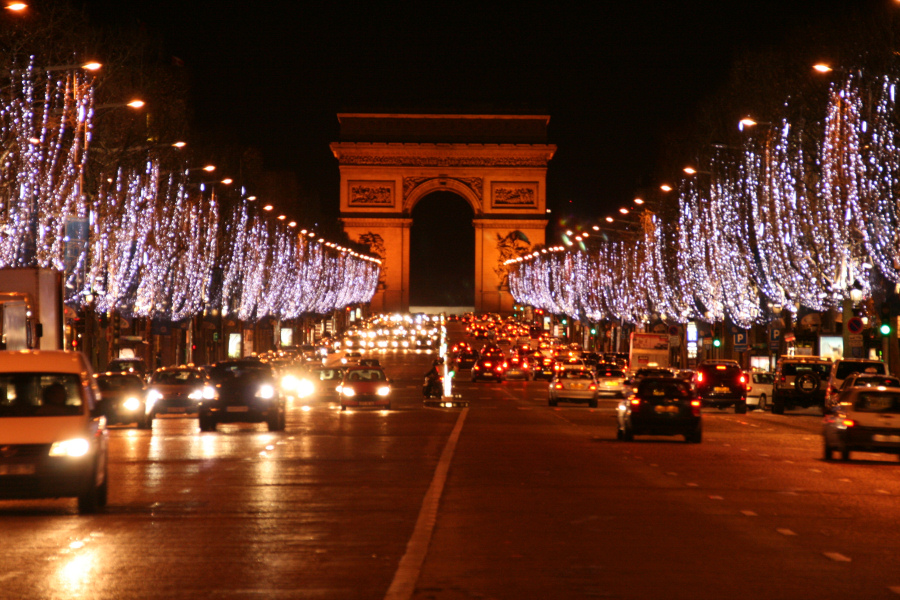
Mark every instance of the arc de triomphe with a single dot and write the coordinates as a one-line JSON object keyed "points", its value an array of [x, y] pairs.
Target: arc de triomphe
{"points": [[497, 163]]}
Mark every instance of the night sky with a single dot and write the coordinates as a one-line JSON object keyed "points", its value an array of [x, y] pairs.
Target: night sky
{"points": [[616, 78]]}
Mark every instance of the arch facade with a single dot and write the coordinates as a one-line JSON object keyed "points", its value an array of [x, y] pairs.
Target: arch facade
{"points": [[497, 163]]}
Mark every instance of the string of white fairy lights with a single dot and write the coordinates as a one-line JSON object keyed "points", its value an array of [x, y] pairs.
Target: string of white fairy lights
{"points": [[155, 246], [779, 222]]}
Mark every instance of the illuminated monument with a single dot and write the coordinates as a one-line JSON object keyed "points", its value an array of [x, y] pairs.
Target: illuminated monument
{"points": [[497, 163]]}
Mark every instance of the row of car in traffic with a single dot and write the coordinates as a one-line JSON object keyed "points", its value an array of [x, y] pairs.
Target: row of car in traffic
{"points": [[54, 411]]}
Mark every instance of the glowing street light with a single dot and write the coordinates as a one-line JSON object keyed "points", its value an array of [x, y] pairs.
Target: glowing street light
{"points": [[666, 187], [822, 68], [268, 207], [639, 201], [624, 210], [16, 6], [690, 170], [609, 219]]}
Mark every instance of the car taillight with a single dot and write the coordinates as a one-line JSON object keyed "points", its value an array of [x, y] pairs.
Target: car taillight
{"points": [[559, 386], [743, 379], [592, 387], [695, 403], [635, 402], [487, 365], [699, 376], [845, 423], [504, 365], [695, 408]]}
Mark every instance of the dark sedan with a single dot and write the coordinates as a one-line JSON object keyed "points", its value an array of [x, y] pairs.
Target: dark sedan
{"points": [[660, 406], [246, 391], [123, 398], [177, 390], [489, 368]]}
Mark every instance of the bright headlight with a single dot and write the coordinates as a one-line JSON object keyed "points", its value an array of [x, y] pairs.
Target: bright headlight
{"points": [[196, 395], [347, 391], [131, 404], [209, 392], [384, 390], [266, 391], [72, 448], [289, 382], [305, 388], [152, 397]]}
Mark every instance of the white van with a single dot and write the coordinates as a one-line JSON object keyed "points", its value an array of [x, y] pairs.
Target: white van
{"points": [[52, 445], [843, 367]]}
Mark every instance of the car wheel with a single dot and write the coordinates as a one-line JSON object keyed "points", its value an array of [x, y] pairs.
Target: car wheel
{"points": [[845, 453], [740, 408], [628, 434], [829, 453], [207, 424], [94, 499], [777, 406], [145, 423], [553, 402], [694, 437], [762, 402], [619, 435]]}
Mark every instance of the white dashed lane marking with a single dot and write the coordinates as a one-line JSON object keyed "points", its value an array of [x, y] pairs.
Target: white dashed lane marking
{"points": [[748, 513], [716, 498], [837, 556], [785, 532]]}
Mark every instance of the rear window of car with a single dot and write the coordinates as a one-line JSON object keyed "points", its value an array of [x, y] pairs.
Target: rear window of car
{"points": [[719, 370], [575, 375], [763, 378], [877, 402], [326, 374], [845, 369], [792, 369], [665, 389], [40, 395], [610, 373]]}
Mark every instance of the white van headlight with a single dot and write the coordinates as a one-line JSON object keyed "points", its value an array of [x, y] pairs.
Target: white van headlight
{"points": [[72, 448], [266, 392], [131, 404]]}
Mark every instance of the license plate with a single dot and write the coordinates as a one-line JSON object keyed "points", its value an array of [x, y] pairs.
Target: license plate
{"points": [[577, 386], [666, 409], [237, 408], [721, 390], [23, 469], [367, 403], [891, 439], [177, 409]]}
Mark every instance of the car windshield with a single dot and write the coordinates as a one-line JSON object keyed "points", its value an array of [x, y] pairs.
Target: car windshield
{"points": [[326, 374], [126, 366], [40, 394], [237, 370], [877, 402], [113, 383], [365, 375], [177, 377], [846, 368], [793, 369], [666, 389]]}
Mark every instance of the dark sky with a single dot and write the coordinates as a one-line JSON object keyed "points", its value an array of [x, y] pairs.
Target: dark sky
{"points": [[613, 76]]}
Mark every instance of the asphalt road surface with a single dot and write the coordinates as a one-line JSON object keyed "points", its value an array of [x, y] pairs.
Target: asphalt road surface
{"points": [[507, 498]]}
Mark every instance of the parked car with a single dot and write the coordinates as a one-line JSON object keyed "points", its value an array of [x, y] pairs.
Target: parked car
{"points": [[122, 399], [177, 390], [799, 381], [844, 367], [721, 384], [860, 380], [866, 420], [661, 406], [489, 368], [245, 391], [365, 387], [53, 445], [611, 382], [760, 394], [573, 385]]}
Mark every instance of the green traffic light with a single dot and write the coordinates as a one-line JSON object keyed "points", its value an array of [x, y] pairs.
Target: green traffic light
{"points": [[885, 329], [593, 331], [717, 342]]}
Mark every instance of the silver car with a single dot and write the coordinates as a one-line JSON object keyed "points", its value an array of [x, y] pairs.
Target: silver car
{"points": [[611, 383], [573, 385], [864, 420]]}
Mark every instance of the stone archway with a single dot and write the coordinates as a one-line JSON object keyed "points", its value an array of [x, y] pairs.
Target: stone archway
{"points": [[497, 163]]}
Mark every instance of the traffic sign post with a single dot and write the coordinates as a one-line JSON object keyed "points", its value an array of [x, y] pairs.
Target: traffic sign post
{"points": [[740, 341], [774, 339]]}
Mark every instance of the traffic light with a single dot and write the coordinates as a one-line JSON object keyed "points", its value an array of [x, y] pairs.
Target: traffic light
{"points": [[717, 342], [593, 331], [885, 329]]}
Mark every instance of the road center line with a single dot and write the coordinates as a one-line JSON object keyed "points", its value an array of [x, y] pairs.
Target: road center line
{"points": [[785, 532], [404, 583]]}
